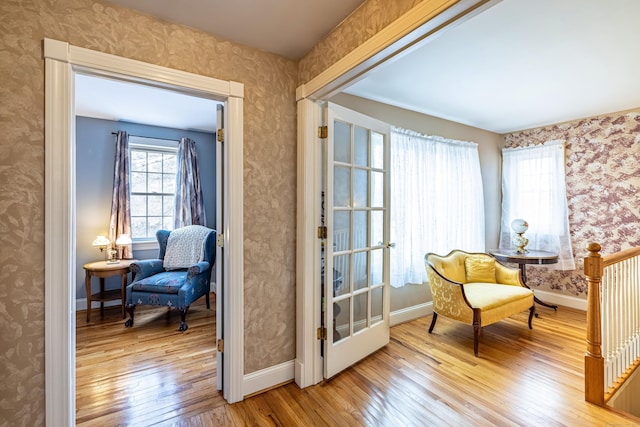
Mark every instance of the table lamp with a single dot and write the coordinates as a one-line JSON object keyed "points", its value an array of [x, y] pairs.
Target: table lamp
{"points": [[519, 226], [122, 240], [101, 242]]}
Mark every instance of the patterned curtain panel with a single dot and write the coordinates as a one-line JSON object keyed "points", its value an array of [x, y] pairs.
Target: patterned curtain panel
{"points": [[120, 222], [188, 206]]}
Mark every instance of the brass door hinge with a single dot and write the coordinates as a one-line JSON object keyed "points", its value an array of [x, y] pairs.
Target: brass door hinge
{"points": [[220, 135], [220, 240], [221, 346], [322, 232], [322, 333], [323, 132]]}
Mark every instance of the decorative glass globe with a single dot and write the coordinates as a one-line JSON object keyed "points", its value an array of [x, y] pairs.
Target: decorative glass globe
{"points": [[520, 241], [519, 225]]}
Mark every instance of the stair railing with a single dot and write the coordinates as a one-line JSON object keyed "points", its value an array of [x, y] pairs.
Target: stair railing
{"points": [[613, 321]]}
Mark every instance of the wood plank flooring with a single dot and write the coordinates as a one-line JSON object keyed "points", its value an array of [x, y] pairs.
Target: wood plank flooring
{"points": [[148, 374], [154, 375]]}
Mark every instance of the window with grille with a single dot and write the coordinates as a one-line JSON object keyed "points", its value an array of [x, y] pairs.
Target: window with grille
{"points": [[153, 182]]}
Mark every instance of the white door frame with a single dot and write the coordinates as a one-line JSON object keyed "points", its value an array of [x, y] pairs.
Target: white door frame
{"points": [[62, 61], [406, 33]]}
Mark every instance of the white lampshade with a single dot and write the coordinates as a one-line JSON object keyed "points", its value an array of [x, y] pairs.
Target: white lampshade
{"points": [[101, 242], [123, 240]]}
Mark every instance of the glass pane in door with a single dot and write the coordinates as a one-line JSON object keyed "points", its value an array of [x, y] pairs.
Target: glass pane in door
{"points": [[360, 270], [376, 305], [341, 319], [360, 146], [360, 305], [360, 226], [342, 142], [360, 188], [342, 186]]}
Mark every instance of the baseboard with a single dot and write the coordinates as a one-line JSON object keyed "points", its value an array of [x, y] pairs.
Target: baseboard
{"points": [[563, 300], [268, 378], [411, 313]]}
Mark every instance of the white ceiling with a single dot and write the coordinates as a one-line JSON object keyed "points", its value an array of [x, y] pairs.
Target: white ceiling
{"points": [[520, 64], [116, 100]]}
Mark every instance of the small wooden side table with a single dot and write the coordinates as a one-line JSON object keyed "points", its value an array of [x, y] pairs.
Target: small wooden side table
{"points": [[102, 270]]}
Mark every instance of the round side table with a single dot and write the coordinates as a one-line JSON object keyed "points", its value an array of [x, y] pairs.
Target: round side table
{"points": [[102, 270]]}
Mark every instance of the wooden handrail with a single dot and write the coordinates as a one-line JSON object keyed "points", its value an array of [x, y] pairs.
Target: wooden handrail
{"points": [[611, 259]]}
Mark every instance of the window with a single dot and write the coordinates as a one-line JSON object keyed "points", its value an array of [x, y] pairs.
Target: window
{"points": [[437, 201], [153, 181], [534, 189]]}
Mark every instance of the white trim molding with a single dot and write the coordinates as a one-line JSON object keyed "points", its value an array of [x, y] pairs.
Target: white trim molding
{"points": [[308, 370], [267, 378], [561, 300], [414, 312], [59, 267], [233, 243], [62, 62]]}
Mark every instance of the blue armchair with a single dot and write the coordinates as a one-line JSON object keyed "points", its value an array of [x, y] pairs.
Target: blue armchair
{"points": [[179, 276]]}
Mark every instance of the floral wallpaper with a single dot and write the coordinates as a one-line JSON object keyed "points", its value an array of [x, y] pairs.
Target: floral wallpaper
{"points": [[269, 176], [603, 190]]}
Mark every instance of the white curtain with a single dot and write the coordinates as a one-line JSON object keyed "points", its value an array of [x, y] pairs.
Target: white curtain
{"points": [[437, 201], [534, 189]]}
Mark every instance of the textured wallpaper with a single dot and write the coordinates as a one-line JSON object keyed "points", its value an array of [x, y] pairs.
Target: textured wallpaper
{"points": [[269, 174], [366, 21], [603, 190]]}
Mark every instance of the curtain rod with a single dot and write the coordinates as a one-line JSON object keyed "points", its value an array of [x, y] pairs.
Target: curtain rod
{"points": [[149, 137]]}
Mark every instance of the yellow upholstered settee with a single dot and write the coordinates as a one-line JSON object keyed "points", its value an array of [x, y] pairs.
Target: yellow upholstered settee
{"points": [[474, 288]]}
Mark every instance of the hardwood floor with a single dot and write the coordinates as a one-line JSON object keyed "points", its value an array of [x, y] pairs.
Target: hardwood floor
{"points": [[148, 374], [522, 377]]}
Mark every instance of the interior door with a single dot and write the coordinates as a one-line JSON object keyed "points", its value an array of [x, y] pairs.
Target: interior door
{"points": [[356, 249], [219, 248]]}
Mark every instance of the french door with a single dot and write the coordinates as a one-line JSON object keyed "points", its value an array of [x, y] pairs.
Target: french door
{"points": [[356, 247]]}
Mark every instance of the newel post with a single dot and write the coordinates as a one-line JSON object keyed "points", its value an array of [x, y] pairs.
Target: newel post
{"points": [[593, 361]]}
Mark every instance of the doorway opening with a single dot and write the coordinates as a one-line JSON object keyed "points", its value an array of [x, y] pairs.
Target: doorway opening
{"points": [[152, 359], [397, 39], [62, 62]]}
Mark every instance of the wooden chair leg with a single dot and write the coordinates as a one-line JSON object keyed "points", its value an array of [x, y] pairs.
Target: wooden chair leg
{"points": [[532, 312], [129, 322], [433, 321], [476, 338], [476, 330], [183, 322]]}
